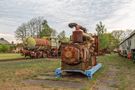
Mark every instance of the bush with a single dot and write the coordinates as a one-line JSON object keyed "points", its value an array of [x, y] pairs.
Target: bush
{"points": [[4, 48], [30, 42]]}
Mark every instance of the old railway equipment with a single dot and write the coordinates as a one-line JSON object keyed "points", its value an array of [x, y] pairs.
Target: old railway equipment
{"points": [[127, 47], [80, 54], [39, 48]]}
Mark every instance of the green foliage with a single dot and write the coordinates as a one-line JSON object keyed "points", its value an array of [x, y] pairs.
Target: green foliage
{"points": [[100, 28], [4, 48], [103, 41], [46, 30], [30, 42], [106, 40]]}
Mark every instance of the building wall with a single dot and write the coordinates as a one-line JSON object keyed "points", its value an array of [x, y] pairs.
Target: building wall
{"points": [[128, 45], [133, 42]]}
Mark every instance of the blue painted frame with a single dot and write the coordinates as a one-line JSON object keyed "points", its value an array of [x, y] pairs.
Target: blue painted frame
{"points": [[89, 73]]}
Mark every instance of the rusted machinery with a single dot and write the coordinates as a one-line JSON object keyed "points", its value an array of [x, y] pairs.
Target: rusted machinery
{"points": [[80, 54], [38, 48]]}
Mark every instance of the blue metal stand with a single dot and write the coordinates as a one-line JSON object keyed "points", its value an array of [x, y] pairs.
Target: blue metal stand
{"points": [[89, 73], [58, 72]]}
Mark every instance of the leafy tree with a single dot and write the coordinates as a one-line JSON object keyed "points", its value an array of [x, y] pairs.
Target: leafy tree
{"points": [[103, 42], [110, 40], [46, 30], [107, 40]]}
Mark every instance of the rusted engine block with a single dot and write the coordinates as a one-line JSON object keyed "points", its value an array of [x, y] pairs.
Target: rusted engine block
{"points": [[81, 53]]}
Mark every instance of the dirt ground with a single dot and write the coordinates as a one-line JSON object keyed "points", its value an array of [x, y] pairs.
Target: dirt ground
{"points": [[69, 81], [109, 81]]}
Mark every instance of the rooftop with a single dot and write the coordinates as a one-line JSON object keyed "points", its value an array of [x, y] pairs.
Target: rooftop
{"points": [[130, 35], [3, 41]]}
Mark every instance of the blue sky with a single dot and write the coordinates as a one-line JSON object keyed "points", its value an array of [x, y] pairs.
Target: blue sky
{"points": [[115, 14]]}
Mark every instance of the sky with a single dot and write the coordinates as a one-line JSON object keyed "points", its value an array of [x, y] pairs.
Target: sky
{"points": [[115, 14]]}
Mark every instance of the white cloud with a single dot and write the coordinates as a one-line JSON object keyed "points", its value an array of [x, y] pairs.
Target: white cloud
{"points": [[123, 18], [116, 14]]}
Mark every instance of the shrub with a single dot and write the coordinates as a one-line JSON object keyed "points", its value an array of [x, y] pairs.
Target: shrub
{"points": [[4, 48]]}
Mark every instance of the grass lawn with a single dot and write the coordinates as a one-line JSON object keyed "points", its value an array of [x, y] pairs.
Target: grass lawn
{"points": [[13, 72], [6, 56], [117, 73]]}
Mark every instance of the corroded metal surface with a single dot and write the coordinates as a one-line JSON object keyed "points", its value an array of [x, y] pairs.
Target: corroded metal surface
{"points": [[81, 52]]}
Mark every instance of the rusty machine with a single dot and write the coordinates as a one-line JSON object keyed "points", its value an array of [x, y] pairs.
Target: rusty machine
{"points": [[39, 48], [80, 54]]}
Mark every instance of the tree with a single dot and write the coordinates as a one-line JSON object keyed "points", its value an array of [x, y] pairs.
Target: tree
{"points": [[46, 30], [100, 28], [118, 34], [36, 27], [21, 32], [62, 37], [108, 41], [104, 41]]}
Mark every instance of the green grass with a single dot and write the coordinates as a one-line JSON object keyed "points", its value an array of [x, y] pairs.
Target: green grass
{"points": [[125, 69], [6, 56], [17, 71]]}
